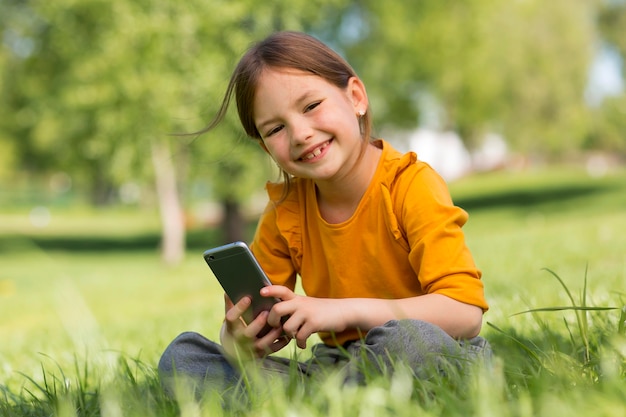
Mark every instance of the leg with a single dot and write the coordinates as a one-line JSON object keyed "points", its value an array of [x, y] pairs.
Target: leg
{"points": [[424, 347], [198, 360], [194, 360]]}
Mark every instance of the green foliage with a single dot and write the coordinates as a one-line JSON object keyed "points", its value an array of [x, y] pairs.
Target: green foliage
{"points": [[90, 85], [104, 80], [517, 68], [589, 352], [612, 20], [609, 125]]}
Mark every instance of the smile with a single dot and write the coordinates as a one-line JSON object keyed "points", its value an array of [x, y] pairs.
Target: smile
{"points": [[315, 152]]}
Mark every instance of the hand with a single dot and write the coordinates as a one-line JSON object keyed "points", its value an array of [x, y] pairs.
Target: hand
{"points": [[306, 315], [240, 340]]}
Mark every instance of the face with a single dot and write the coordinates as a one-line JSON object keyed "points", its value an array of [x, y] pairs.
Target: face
{"points": [[309, 126]]}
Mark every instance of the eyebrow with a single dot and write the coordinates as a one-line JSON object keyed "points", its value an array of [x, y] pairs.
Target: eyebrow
{"points": [[264, 125]]}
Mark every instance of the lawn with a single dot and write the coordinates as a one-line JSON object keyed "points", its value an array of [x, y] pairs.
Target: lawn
{"points": [[87, 307]]}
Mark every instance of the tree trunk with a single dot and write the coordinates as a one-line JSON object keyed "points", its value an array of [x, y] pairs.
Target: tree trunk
{"points": [[233, 224], [170, 208], [102, 190]]}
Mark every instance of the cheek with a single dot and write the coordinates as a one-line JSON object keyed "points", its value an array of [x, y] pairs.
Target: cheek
{"points": [[343, 117], [275, 149]]}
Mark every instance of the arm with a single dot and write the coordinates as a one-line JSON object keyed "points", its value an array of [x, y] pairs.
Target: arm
{"points": [[310, 315], [458, 319]]}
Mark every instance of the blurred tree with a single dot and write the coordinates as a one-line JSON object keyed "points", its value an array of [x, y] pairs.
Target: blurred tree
{"points": [[609, 128], [7, 147], [612, 23], [517, 68], [95, 87], [548, 51]]}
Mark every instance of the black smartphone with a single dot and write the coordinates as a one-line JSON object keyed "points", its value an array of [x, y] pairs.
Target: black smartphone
{"points": [[240, 275]]}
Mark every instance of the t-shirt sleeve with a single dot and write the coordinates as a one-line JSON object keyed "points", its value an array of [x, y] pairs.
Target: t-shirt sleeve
{"points": [[272, 251], [433, 227]]}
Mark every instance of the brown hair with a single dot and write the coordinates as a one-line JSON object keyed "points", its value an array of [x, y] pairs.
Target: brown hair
{"points": [[286, 49]]}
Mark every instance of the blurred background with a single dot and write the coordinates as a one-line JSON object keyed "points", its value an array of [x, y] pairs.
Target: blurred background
{"points": [[93, 95]]}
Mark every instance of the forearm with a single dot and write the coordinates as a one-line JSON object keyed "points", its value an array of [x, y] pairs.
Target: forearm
{"points": [[458, 319]]}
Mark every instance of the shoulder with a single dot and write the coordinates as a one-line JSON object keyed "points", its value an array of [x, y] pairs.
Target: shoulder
{"points": [[280, 226], [285, 205], [410, 184], [399, 168], [281, 194]]}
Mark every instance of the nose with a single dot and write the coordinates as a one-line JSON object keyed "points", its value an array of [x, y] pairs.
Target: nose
{"points": [[301, 131]]}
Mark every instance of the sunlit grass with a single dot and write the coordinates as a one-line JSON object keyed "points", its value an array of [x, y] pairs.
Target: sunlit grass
{"points": [[61, 304], [82, 329]]}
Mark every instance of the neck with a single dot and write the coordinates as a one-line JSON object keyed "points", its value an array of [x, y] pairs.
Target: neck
{"points": [[339, 198]]}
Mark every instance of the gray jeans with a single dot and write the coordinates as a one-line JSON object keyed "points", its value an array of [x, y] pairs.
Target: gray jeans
{"points": [[425, 348]]}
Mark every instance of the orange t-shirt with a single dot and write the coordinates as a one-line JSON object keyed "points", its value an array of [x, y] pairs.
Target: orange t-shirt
{"points": [[403, 240]]}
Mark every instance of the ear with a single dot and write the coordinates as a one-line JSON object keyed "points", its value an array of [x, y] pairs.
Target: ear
{"points": [[357, 94]]}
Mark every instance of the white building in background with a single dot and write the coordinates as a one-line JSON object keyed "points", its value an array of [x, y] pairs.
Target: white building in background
{"points": [[444, 151], [447, 154], [492, 154]]}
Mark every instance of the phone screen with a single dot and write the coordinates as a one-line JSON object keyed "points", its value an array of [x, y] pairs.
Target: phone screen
{"points": [[240, 275]]}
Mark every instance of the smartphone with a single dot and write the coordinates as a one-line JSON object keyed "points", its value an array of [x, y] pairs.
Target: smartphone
{"points": [[240, 275]]}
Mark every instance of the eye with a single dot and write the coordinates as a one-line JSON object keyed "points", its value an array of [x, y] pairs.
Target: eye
{"points": [[274, 130], [312, 106]]}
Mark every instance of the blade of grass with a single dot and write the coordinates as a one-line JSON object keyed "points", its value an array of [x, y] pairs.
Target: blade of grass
{"points": [[581, 327], [621, 327], [528, 350], [584, 319], [567, 291], [562, 308], [571, 335]]}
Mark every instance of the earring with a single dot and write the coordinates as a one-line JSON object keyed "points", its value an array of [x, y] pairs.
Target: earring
{"points": [[361, 112]]}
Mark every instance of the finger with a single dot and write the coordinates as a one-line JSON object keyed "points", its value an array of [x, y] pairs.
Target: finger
{"points": [[235, 312], [272, 342], [292, 326], [301, 343], [301, 337], [256, 325], [228, 304], [278, 291], [275, 318], [282, 312]]}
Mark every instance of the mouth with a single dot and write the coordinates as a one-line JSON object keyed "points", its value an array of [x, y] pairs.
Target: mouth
{"points": [[315, 152]]}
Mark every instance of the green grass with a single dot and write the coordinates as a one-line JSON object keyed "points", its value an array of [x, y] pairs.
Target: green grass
{"points": [[86, 308]]}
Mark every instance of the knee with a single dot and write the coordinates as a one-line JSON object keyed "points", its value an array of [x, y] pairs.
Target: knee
{"points": [[183, 351], [169, 357], [191, 362], [407, 329], [407, 335]]}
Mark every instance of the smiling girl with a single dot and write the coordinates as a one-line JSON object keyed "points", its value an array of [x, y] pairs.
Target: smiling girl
{"points": [[372, 234]]}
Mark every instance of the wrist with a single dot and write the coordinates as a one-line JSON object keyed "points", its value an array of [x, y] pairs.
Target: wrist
{"points": [[236, 353], [227, 342]]}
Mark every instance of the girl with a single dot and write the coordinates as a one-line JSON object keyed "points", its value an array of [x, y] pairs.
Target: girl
{"points": [[372, 233]]}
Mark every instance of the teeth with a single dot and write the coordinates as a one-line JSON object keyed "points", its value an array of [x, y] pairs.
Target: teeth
{"points": [[315, 153]]}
